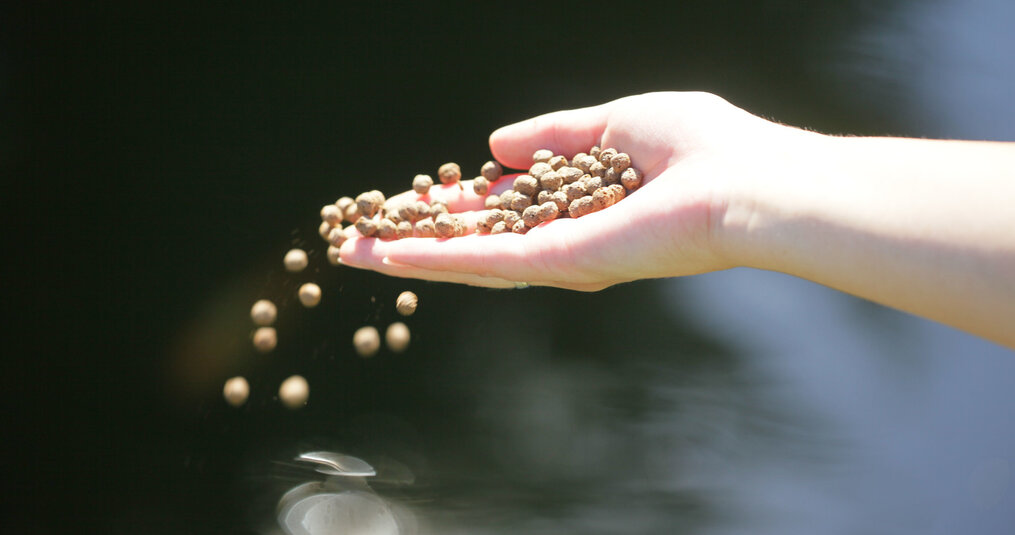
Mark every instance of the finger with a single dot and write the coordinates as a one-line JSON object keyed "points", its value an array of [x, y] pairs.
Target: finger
{"points": [[361, 253], [370, 253], [544, 256], [564, 132], [459, 199]]}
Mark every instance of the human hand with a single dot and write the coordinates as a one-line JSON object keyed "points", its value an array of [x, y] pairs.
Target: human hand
{"points": [[698, 153]]}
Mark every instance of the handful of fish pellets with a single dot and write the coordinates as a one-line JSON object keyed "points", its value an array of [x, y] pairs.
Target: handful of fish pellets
{"points": [[554, 186]]}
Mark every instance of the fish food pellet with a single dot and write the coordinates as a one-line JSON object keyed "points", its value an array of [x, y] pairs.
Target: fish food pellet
{"points": [[367, 226], [421, 184], [424, 229], [526, 185], [631, 178], [293, 392], [295, 260], [406, 303], [449, 173], [397, 337], [367, 341], [444, 226], [337, 236], [369, 203], [554, 186], [236, 391], [324, 229], [331, 214], [310, 295], [531, 216], [480, 185], [387, 229], [265, 339], [334, 255], [491, 171], [263, 312]]}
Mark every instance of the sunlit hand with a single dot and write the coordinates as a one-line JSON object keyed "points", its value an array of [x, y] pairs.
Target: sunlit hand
{"points": [[695, 149]]}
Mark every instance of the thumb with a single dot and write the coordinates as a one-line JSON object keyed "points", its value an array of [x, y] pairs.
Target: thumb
{"points": [[564, 132]]}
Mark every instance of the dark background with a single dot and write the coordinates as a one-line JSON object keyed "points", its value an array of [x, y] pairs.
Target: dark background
{"points": [[158, 161]]}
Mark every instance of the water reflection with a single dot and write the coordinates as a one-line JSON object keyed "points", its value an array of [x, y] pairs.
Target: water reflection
{"points": [[342, 504]]}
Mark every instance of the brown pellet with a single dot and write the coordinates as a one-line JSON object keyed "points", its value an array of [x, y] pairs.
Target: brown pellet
{"points": [[520, 227], [236, 391], [570, 175], [367, 226], [551, 181], [585, 164], [309, 294], [480, 185], [295, 260], [606, 156], [631, 178], [557, 162], [438, 206], [611, 176], [409, 211], [548, 211], [424, 228], [370, 202], [397, 337], [351, 213], [520, 202], [592, 183], [594, 152], [499, 228], [444, 225], [403, 230], [449, 173], [387, 229], [597, 169], [294, 392], [406, 303], [544, 196], [531, 216], [421, 184], [581, 206], [337, 236], [538, 169], [366, 341], [511, 217], [620, 162], [324, 229], [422, 210], [577, 158], [333, 255], [265, 339], [560, 199], [526, 185], [344, 202], [574, 191], [492, 201], [542, 156], [263, 312], [491, 171], [331, 215]]}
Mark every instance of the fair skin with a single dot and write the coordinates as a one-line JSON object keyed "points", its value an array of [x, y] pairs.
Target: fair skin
{"points": [[924, 226]]}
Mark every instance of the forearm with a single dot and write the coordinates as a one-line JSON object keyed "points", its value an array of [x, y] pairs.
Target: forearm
{"points": [[923, 226]]}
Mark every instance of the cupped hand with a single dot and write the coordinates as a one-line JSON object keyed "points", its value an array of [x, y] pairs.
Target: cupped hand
{"points": [[698, 154]]}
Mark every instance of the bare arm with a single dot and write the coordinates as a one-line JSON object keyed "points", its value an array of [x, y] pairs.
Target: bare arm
{"points": [[923, 226]]}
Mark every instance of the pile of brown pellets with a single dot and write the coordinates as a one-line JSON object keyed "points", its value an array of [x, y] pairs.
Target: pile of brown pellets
{"points": [[554, 186]]}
